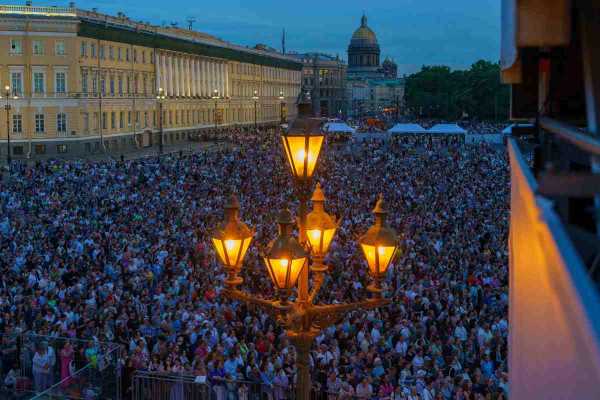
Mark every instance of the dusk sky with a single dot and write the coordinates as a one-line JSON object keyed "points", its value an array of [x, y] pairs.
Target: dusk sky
{"points": [[412, 32]]}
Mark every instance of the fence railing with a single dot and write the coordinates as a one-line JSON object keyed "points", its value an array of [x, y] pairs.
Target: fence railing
{"points": [[54, 367]]}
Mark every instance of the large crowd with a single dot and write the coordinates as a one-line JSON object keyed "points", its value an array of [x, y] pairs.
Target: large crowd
{"points": [[119, 251]]}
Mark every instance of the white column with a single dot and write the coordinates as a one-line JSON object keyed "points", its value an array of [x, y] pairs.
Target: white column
{"points": [[158, 76], [170, 87], [188, 65], [163, 65], [182, 88], [222, 78], [192, 77], [174, 61], [205, 78], [198, 77], [227, 80]]}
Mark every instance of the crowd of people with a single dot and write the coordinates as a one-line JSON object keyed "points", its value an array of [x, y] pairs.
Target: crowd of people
{"points": [[120, 252]]}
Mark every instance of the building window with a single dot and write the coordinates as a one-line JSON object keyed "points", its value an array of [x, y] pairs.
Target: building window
{"points": [[126, 54], [134, 55], [104, 121], [119, 54], [145, 119], [101, 52], [17, 123], [121, 120], [59, 48], [93, 50], [17, 150], [143, 57], [86, 122], [38, 47], [83, 49], [39, 123], [40, 149], [95, 84], [113, 120], [120, 85], [88, 147], [17, 82], [61, 148], [103, 84], [137, 119], [61, 82], [84, 81], [38, 82], [111, 53], [128, 118], [16, 46], [112, 86], [61, 123]]}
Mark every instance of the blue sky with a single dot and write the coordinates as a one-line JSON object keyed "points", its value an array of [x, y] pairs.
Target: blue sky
{"points": [[413, 32]]}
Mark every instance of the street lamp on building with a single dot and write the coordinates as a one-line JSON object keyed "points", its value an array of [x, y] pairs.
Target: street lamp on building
{"points": [[216, 98], [287, 259], [160, 97], [7, 107], [255, 98], [281, 104]]}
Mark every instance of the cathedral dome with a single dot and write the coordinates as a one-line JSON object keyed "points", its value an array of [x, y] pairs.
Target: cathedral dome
{"points": [[364, 36], [363, 51]]}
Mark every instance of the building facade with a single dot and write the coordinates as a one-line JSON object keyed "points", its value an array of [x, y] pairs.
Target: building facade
{"points": [[86, 82], [371, 88], [324, 77]]}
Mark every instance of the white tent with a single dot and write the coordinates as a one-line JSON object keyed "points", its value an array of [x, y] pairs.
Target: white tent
{"points": [[508, 130], [446, 129], [339, 127], [403, 129]]}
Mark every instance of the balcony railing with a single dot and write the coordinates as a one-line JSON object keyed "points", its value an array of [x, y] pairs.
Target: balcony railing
{"points": [[39, 10]]}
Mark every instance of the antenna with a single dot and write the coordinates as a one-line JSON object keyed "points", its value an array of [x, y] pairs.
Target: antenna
{"points": [[190, 21], [283, 42]]}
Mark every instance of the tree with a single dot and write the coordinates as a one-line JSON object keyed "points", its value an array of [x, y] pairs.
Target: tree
{"points": [[438, 92]]}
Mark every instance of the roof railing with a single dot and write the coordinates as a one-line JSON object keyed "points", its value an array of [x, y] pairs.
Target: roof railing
{"points": [[571, 134]]}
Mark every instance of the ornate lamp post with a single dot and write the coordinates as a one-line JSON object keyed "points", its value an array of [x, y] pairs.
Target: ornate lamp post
{"points": [[160, 97], [281, 104], [216, 98], [287, 261], [7, 107], [255, 98]]}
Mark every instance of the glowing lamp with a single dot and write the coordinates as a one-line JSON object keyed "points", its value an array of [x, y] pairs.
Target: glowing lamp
{"points": [[302, 145], [285, 257], [320, 226], [379, 244], [232, 238]]}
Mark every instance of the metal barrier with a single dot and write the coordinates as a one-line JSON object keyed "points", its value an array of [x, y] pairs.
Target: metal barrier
{"points": [[164, 386], [44, 367]]}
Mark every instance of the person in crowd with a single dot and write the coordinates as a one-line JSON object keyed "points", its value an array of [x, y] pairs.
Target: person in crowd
{"points": [[120, 251]]}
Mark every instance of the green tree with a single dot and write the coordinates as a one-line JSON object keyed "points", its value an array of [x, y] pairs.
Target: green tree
{"points": [[439, 92]]}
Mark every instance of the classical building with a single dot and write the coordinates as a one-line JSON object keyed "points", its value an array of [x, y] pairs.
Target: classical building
{"points": [[363, 53], [328, 91], [87, 82], [371, 88], [390, 69]]}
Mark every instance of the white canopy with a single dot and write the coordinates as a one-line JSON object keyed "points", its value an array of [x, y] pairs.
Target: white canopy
{"points": [[407, 129], [508, 129], [339, 127], [446, 129]]}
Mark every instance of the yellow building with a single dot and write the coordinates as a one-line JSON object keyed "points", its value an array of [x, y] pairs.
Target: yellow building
{"points": [[86, 82]]}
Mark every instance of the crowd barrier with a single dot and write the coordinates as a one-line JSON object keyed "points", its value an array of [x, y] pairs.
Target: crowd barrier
{"points": [[91, 372]]}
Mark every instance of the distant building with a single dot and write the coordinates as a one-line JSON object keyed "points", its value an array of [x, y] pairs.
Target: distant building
{"points": [[371, 88], [390, 69], [329, 90]]}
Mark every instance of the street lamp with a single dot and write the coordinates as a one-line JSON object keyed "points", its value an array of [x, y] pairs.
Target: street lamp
{"points": [[255, 98], [379, 246], [287, 260], [281, 104], [231, 240], [216, 98], [160, 97], [7, 108]]}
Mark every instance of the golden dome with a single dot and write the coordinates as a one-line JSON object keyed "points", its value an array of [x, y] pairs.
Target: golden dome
{"points": [[363, 36]]}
